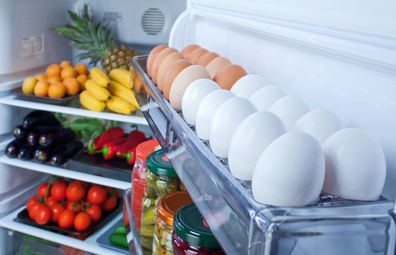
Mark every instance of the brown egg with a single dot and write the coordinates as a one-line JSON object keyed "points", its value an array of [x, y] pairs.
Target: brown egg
{"points": [[158, 61], [151, 57], [228, 75], [206, 58], [170, 74], [196, 54], [188, 49], [216, 64], [164, 65]]}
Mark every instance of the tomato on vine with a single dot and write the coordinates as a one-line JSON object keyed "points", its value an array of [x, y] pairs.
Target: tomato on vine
{"points": [[50, 201], [94, 212], [56, 212], [96, 195], [41, 190], [66, 219], [31, 202], [43, 215], [109, 204], [75, 191], [74, 207], [82, 221], [58, 191], [33, 210]]}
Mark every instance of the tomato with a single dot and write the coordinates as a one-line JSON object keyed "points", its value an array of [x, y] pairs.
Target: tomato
{"points": [[112, 190], [43, 215], [60, 180], [66, 219], [41, 190], [85, 185], [58, 191], [33, 210], [96, 195], [94, 212], [50, 201], [82, 221], [31, 202], [109, 204], [75, 192], [56, 212], [74, 207]]}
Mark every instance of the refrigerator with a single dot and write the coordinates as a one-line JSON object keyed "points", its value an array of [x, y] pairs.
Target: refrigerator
{"points": [[333, 54]]}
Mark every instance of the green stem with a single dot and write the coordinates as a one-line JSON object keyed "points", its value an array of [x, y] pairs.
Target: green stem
{"points": [[46, 191]]}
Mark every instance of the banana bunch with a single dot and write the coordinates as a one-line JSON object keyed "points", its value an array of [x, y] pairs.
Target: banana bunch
{"points": [[96, 93]]}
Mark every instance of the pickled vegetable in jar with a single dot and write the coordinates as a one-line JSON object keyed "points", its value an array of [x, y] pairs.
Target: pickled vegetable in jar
{"points": [[166, 208], [191, 234], [139, 179]]}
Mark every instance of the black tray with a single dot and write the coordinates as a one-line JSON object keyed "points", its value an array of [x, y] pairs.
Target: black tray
{"points": [[19, 92], [23, 217], [104, 240], [117, 164]]}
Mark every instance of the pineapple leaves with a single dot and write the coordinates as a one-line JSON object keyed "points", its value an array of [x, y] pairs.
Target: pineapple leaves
{"points": [[77, 21]]}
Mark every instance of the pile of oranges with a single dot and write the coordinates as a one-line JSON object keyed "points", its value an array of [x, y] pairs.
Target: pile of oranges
{"points": [[58, 81]]}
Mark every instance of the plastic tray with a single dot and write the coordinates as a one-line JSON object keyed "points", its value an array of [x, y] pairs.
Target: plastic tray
{"points": [[19, 92], [104, 240], [116, 164]]}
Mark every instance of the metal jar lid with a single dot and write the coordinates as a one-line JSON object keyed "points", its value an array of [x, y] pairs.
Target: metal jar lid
{"points": [[169, 204]]}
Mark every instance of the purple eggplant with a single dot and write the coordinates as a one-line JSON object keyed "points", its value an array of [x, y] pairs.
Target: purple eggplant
{"points": [[56, 136], [65, 152], [39, 118], [26, 152], [13, 147]]}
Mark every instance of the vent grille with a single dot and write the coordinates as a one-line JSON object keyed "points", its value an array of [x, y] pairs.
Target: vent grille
{"points": [[153, 21]]}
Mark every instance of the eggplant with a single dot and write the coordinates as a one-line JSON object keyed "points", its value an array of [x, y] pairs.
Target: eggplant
{"points": [[26, 152], [13, 147], [34, 135], [65, 152], [56, 136], [42, 154], [39, 118], [20, 132]]}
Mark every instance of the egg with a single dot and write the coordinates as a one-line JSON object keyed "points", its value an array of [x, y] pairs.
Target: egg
{"points": [[321, 123], [247, 85], [228, 75], [152, 56], [170, 74], [250, 140], [164, 66], [206, 58], [206, 110], [216, 64], [158, 60], [193, 96], [182, 81], [196, 54], [225, 121], [265, 97], [290, 171], [289, 109], [355, 165], [188, 49]]}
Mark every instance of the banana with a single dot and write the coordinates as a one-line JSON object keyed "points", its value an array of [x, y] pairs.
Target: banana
{"points": [[120, 91], [119, 105], [99, 77], [97, 91], [90, 102], [121, 76], [137, 82]]}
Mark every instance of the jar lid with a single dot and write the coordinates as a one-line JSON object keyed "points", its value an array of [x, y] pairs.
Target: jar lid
{"points": [[159, 164], [190, 226], [169, 204], [145, 148]]}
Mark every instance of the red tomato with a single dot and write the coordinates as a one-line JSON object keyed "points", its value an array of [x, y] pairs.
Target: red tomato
{"points": [[43, 215], [56, 212], [75, 192], [109, 204], [33, 210], [74, 207], [50, 201], [31, 202], [94, 212], [60, 180], [84, 184], [58, 191], [82, 221], [41, 190], [66, 219], [96, 195], [112, 190]]}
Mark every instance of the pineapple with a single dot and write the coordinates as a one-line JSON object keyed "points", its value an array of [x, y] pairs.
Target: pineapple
{"points": [[98, 41]]}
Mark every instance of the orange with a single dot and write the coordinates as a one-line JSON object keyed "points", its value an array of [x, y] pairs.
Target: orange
{"points": [[68, 72], [41, 88], [82, 78], [53, 79], [41, 76], [72, 86], [53, 70], [81, 68], [64, 64], [56, 90]]}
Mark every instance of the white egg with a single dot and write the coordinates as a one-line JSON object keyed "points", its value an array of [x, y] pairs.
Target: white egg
{"points": [[206, 110], [321, 123], [193, 96], [225, 121], [247, 85], [355, 165], [290, 172], [250, 140], [289, 109], [265, 97]]}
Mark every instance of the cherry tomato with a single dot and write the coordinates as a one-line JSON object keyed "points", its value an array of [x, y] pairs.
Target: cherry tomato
{"points": [[82, 221], [96, 195], [85, 185], [58, 191], [56, 212], [109, 204], [31, 202], [43, 215], [66, 219], [112, 190], [41, 190], [94, 212], [33, 210], [60, 180], [74, 207], [75, 192], [50, 201]]}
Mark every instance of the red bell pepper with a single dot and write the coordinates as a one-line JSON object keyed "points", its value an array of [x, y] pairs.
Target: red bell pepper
{"points": [[109, 135], [90, 148], [130, 156], [108, 149], [134, 139]]}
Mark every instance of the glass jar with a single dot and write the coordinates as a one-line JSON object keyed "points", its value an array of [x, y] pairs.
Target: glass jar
{"points": [[166, 208], [161, 180], [192, 235], [138, 178]]}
